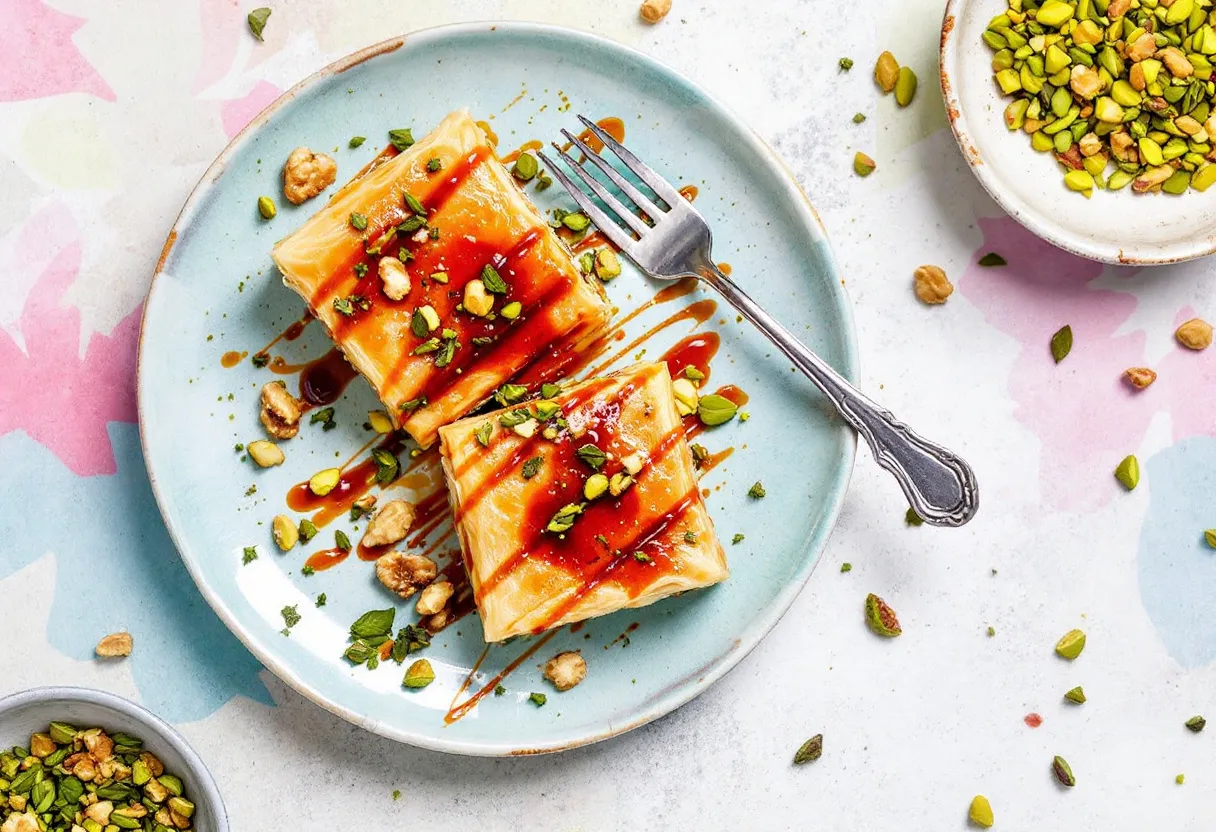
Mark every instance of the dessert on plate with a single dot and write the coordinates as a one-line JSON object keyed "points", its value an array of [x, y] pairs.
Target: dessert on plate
{"points": [[439, 279], [579, 504]]}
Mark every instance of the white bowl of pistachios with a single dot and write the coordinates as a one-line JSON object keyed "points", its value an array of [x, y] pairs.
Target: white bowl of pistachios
{"points": [[81, 758], [1088, 120]]}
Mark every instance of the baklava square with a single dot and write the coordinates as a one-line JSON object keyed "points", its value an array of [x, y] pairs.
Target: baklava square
{"points": [[439, 279], [579, 504]]}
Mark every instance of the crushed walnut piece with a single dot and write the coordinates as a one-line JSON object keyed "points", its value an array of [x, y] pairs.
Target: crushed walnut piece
{"points": [[434, 598], [306, 174], [932, 285], [390, 524], [652, 11], [280, 411], [405, 574], [1140, 377]]}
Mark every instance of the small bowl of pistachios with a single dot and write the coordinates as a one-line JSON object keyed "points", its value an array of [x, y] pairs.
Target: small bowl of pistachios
{"points": [[74, 758], [1091, 122]]}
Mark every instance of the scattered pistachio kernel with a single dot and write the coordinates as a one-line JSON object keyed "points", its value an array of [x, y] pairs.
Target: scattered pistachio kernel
{"points": [[1060, 767], [265, 453], [1196, 724], [912, 518], [1128, 472], [284, 531], [419, 674], [809, 751], [756, 492], [846, 567], [1195, 334], [863, 165], [858, 118], [1076, 695], [931, 284], [1180, 779], [886, 71], [379, 421], [845, 64], [595, 486], [992, 259], [981, 811], [325, 481], [1071, 644], [1061, 343], [1209, 537], [881, 618], [538, 699], [905, 86], [267, 208]]}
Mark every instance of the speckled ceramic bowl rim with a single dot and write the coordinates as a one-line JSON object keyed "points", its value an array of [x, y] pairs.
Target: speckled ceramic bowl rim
{"points": [[685, 689], [209, 796], [1026, 213]]}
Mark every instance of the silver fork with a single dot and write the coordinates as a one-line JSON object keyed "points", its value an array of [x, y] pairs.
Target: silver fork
{"points": [[675, 243]]}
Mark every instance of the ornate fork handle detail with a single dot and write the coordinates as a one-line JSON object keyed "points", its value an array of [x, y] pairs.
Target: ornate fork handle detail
{"points": [[940, 486]]}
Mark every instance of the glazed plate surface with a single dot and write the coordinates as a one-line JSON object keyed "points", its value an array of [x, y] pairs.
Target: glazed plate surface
{"points": [[217, 293]]}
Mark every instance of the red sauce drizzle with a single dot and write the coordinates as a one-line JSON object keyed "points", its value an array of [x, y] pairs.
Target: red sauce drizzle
{"points": [[611, 125], [353, 484], [534, 144], [456, 712], [696, 350], [293, 331], [326, 559], [232, 358], [700, 312], [622, 637], [323, 380], [1033, 720]]}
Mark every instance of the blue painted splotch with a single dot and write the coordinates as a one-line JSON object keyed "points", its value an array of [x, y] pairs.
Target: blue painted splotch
{"points": [[116, 569], [1177, 568]]}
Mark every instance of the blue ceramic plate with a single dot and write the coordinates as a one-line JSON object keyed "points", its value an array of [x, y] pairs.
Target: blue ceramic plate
{"points": [[216, 291]]}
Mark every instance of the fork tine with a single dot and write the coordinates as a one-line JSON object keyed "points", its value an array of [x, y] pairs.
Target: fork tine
{"points": [[615, 205], [640, 169], [619, 237], [639, 198]]}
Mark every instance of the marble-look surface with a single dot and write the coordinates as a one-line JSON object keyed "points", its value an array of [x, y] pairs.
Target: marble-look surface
{"points": [[110, 112]]}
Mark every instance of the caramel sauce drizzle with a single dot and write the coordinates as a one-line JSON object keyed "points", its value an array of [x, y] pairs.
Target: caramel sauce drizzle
{"points": [[457, 712]]}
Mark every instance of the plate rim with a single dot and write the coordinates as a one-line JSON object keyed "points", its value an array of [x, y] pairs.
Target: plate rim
{"points": [[1040, 224], [677, 693]]}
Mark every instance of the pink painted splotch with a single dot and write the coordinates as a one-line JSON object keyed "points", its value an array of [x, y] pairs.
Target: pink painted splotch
{"points": [[37, 55], [1085, 416], [59, 397], [239, 112]]}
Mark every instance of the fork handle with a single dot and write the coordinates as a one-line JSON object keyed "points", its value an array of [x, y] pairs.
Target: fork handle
{"points": [[940, 486]]}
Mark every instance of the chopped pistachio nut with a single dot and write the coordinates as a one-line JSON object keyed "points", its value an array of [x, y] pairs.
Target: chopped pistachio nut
{"points": [[1061, 343], [1071, 644], [1076, 695], [538, 699], [980, 812], [1063, 771], [737, 539], [325, 481], [607, 264], [846, 567], [886, 71], [285, 533], [863, 165], [419, 674], [265, 453], [686, 396], [1180, 779], [307, 530], [1128, 472], [267, 208], [756, 492], [1196, 724], [380, 421], [881, 618], [595, 486], [809, 751]]}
